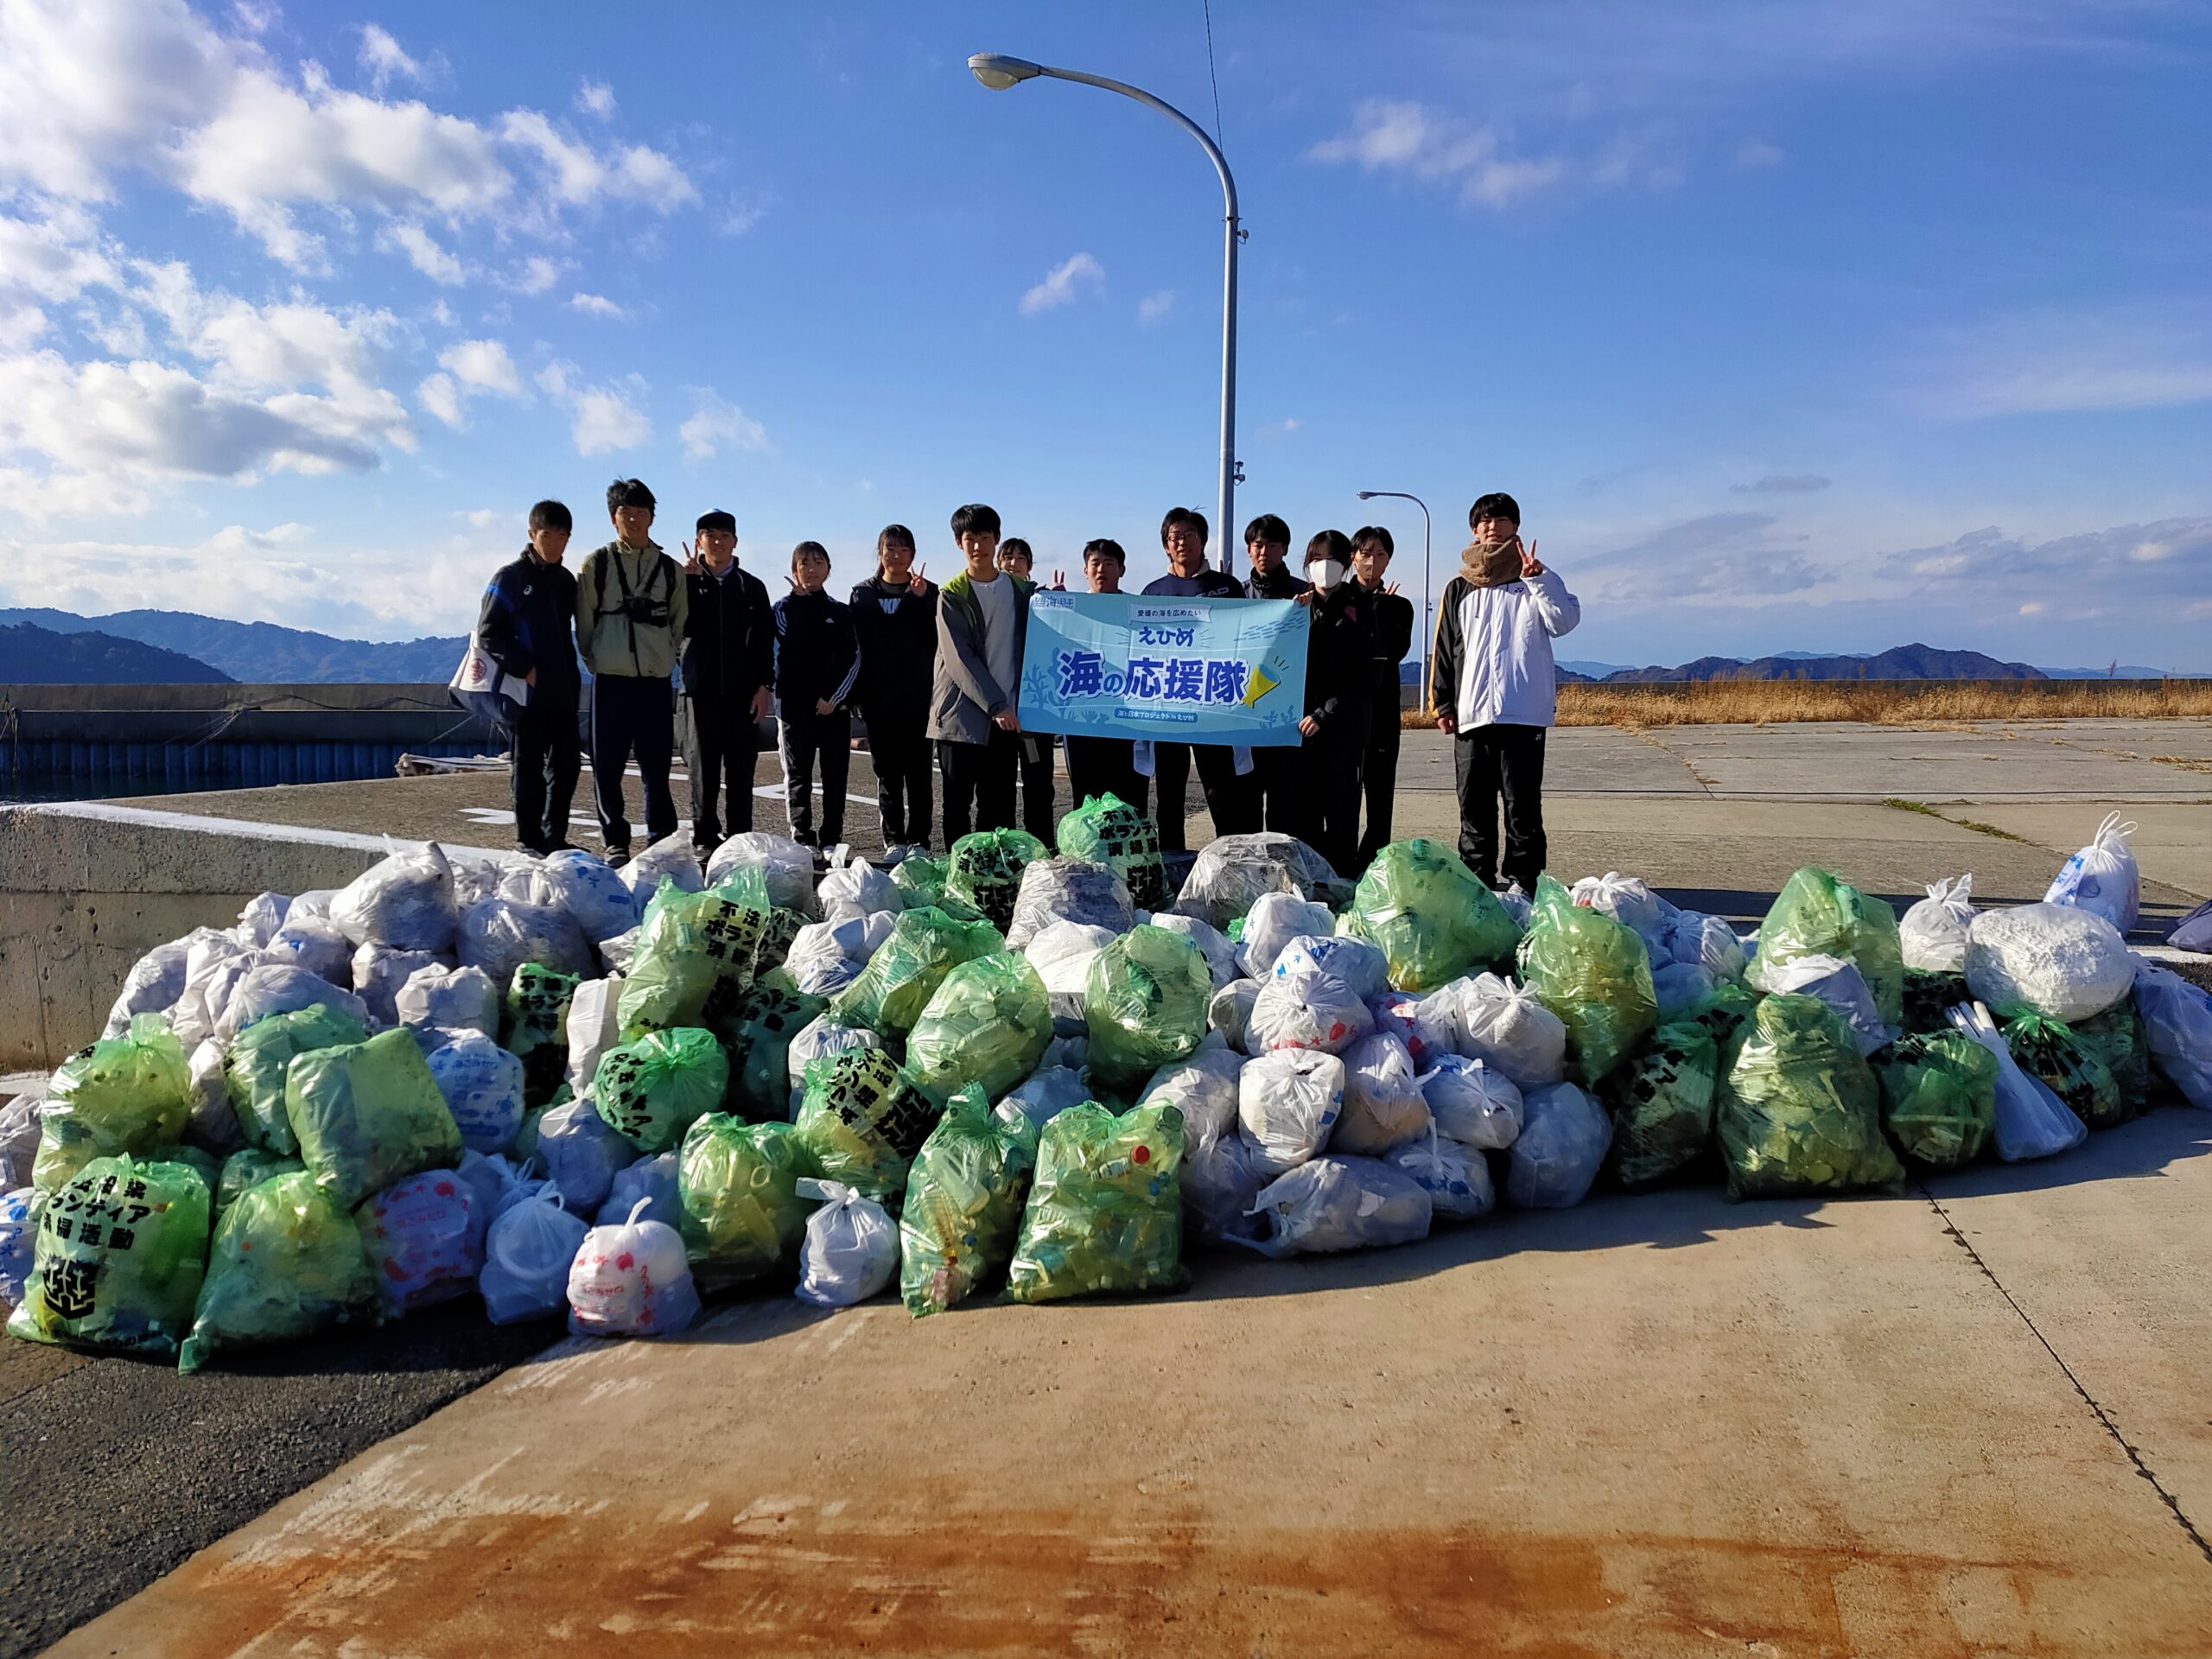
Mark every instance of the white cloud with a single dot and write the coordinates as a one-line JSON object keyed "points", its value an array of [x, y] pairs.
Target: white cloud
{"points": [[539, 272], [1061, 283], [1152, 307], [595, 98], [482, 365], [715, 425], [742, 211], [423, 253], [487, 518], [383, 59], [1397, 135], [441, 398], [2150, 354], [595, 305], [606, 421], [1758, 153]]}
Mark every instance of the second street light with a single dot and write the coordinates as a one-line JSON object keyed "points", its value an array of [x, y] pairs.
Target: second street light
{"points": [[998, 72], [1427, 622]]}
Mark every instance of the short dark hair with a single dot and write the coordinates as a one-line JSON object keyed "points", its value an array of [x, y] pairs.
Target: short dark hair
{"points": [[1013, 544], [1106, 548], [1183, 516], [805, 548], [894, 535], [1496, 505], [1330, 544], [975, 519], [1376, 535], [630, 492], [551, 515], [1266, 529], [716, 520]]}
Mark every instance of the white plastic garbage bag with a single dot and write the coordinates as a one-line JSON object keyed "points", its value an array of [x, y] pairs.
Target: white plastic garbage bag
{"points": [[1222, 1177], [1933, 932], [313, 903], [500, 935], [2102, 878], [405, 901], [631, 1280], [672, 858], [1361, 965], [423, 1239], [1414, 1023], [2177, 1027], [1306, 1010], [214, 1117], [1679, 987], [1062, 954], [155, 984], [213, 969], [1051, 1089], [263, 915], [2064, 963], [1455, 1177], [595, 1026], [786, 866], [1274, 921], [851, 1249], [615, 953], [19, 1217], [1232, 871], [826, 957], [819, 1037], [319, 947], [19, 1133], [1288, 1102], [1695, 939], [449, 997], [475, 880], [482, 1085], [1218, 949], [495, 1184], [1564, 1137], [1384, 1105], [654, 1179], [2032, 1121], [582, 1152], [1069, 890], [858, 885], [526, 1259], [1506, 1025], [280, 987], [1341, 1204], [1630, 902], [379, 970], [1474, 1102], [588, 888], [1230, 1012], [1830, 979], [1205, 1086]]}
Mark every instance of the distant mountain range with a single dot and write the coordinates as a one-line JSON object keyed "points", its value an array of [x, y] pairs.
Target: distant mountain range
{"points": [[30, 655], [260, 652], [1899, 662]]}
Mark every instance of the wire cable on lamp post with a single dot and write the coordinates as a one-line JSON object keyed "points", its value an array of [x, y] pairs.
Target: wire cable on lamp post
{"points": [[998, 72], [1429, 622]]}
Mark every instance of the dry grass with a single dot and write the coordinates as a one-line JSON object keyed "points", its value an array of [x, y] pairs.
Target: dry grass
{"points": [[1880, 702]]}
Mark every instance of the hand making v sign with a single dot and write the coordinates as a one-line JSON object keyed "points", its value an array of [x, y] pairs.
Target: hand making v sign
{"points": [[1530, 564]]}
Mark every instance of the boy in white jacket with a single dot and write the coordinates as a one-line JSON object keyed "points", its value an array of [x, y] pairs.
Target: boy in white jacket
{"points": [[1496, 688]]}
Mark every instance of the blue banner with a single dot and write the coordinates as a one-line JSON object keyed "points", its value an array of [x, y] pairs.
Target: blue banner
{"points": [[1189, 670]]}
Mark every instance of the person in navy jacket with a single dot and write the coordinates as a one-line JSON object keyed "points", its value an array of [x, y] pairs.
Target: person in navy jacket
{"points": [[817, 665], [527, 627]]}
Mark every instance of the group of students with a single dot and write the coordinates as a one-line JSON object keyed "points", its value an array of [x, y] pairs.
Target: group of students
{"points": [[934, 670]]}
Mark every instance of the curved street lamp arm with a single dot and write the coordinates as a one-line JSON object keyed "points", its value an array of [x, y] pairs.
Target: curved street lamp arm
{"points": [[1213, 151]]}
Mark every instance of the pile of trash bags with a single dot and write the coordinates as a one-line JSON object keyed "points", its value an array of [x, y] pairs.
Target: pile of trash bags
{"points": [[609, 1097]]}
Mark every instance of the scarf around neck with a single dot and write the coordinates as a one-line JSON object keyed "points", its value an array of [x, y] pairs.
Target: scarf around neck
{"points": [[1490, 567]]}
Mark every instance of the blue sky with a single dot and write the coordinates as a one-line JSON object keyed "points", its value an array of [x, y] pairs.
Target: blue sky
{"points": [[1791, 326]]}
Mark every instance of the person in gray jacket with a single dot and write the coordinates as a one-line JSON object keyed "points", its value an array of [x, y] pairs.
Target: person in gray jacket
{"points": [[983, 622]]}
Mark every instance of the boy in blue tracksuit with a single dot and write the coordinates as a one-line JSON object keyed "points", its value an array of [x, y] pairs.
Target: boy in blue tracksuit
{"points": [[527, 627], [817, 665]]}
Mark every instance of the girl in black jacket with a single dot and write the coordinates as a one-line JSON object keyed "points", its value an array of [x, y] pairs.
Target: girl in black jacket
{"points": [[817, 664], [894, 616]]}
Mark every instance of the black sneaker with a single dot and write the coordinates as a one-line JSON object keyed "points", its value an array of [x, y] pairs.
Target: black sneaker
{"points": [[617, 855]]}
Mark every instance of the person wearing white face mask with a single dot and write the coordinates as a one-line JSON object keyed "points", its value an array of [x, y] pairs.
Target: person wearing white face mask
{"points": [[1339, 665]]}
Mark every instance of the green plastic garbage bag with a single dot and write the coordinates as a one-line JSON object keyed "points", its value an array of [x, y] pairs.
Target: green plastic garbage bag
{"points": [[369, 1114], [1594, 974], [1662, 1103], [1106, 829], [1727, 1009], [985, 870], [121, 1251], [123, 1093], [288, 1261], [778, 929], [653, 1089], [254, 1071], [1939, 1096], [862, 1120], [925, 944], [1800, 1111], [246, 1168], [1929, 997], [693, 949], [1144, 1004], [736, 1187], [183, 1151], [989, 1023], [963, 1202], [2076, 1072], [760, 1037], [1433, 918], [2117, 1037], [921, 878], [1818, 913], [1105, 1212], [534, 1028]]}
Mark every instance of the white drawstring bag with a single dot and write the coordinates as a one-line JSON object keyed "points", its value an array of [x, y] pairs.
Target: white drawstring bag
{"points": [[1287, 1101], [1472, 1103], [2102, 878], [1456, 1177], [1830, 979], [526, 1259], [1630, 901], [1274, 921], [2177, 1027], [1341, 1204], [1384, 1106], [2032, 1121], [1507, 1026], [2059, 961], [631, 1280], [851, 1247], [1563, 1140], [1933, 933]]}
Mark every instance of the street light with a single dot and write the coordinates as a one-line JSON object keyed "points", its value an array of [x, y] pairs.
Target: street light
{"points": [[1428, 625], [998, 72]]}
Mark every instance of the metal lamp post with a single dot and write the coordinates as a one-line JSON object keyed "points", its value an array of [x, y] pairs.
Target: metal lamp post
{"points": [[998, 72], [1428, 623]]}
